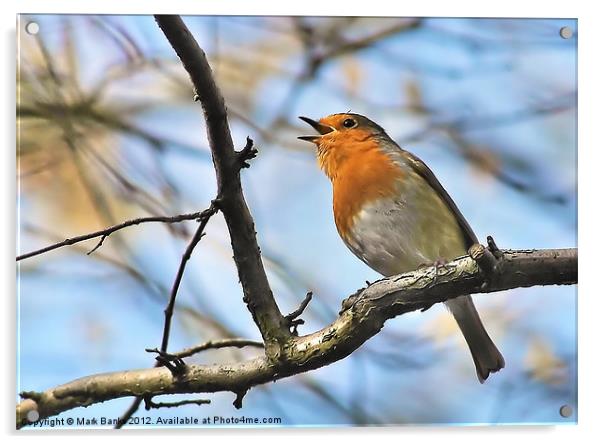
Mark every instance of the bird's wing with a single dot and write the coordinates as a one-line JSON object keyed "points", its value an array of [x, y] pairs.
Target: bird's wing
{"points": [[420, 167]]}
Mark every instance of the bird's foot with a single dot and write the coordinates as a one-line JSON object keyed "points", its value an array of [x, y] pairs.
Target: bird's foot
{"points": [[488, 259], [439, 264]]}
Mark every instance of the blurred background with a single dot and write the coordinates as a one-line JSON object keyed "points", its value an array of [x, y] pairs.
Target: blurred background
{"points": [[108, 131]]}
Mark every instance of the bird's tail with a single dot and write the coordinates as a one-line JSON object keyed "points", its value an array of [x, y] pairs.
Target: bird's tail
{"points": [[486, 356]]}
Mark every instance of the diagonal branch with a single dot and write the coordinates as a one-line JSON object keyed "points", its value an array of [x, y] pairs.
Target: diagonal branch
{"points": [[204, 218], [363, 317], [257, 292]]}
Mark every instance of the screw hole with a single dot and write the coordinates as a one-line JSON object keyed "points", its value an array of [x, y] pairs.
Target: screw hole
{"points": [[566, 411], [32, 28], [566, 32], [33, 416]]}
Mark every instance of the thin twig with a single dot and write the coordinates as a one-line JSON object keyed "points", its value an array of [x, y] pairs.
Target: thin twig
{"points": [[125, 417], [292, 318], [296, 313], [149, 404], [104, 233], [174, 364], [219, 343], [239, 397], [203, 218]]}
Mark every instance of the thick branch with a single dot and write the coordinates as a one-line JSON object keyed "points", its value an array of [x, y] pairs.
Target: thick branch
{"points": [[364, 315], [257, 292]]}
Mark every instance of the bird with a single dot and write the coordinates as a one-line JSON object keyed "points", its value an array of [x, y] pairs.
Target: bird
{"points": [[394, 215]]}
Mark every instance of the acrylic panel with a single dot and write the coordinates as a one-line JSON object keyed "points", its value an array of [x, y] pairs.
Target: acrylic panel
{"points": [[132, 248]]}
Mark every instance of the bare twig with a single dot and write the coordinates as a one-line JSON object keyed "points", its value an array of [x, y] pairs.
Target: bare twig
{"points": [[106, 232], [291, 318], [247, 153], [203, 219], [228, 163], [382, 300], [217, 344], [150, 404], [239, 397], [174, 364], [493, 247], [296, 313], [125, 417]]}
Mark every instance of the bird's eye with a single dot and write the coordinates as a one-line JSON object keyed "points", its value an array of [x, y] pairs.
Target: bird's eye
{"points": [[349, 123]]}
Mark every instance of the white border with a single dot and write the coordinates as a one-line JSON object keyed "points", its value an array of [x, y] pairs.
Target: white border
{"points": [[508, 8]]}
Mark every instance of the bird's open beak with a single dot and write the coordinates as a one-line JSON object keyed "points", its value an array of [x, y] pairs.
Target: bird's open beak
{"points": [[319, 127]]}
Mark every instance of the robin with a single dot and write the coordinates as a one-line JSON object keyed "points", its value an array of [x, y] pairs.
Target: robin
{"points": [[394, 215]]}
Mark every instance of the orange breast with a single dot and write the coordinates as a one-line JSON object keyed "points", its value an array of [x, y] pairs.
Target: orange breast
{"points": [[360, 173]]}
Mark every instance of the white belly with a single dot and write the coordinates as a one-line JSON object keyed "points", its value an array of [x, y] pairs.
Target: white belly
{"points": [[397, 235]]}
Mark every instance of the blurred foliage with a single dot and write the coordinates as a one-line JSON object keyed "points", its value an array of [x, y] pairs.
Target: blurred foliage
{"points": [[543, 365]]}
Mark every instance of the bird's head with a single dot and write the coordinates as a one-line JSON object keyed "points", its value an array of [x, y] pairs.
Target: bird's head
{"points": [[342, 136], [341, 128]]}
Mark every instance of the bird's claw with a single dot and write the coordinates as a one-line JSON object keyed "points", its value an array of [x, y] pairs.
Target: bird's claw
{"points": [[439, 264]]}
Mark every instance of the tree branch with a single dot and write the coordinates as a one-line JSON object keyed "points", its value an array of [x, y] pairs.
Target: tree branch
{"points": [[363, 316], [217, 344], [150, 404], [203, 219], [104, 233], [257, 292], [213, 344]]}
